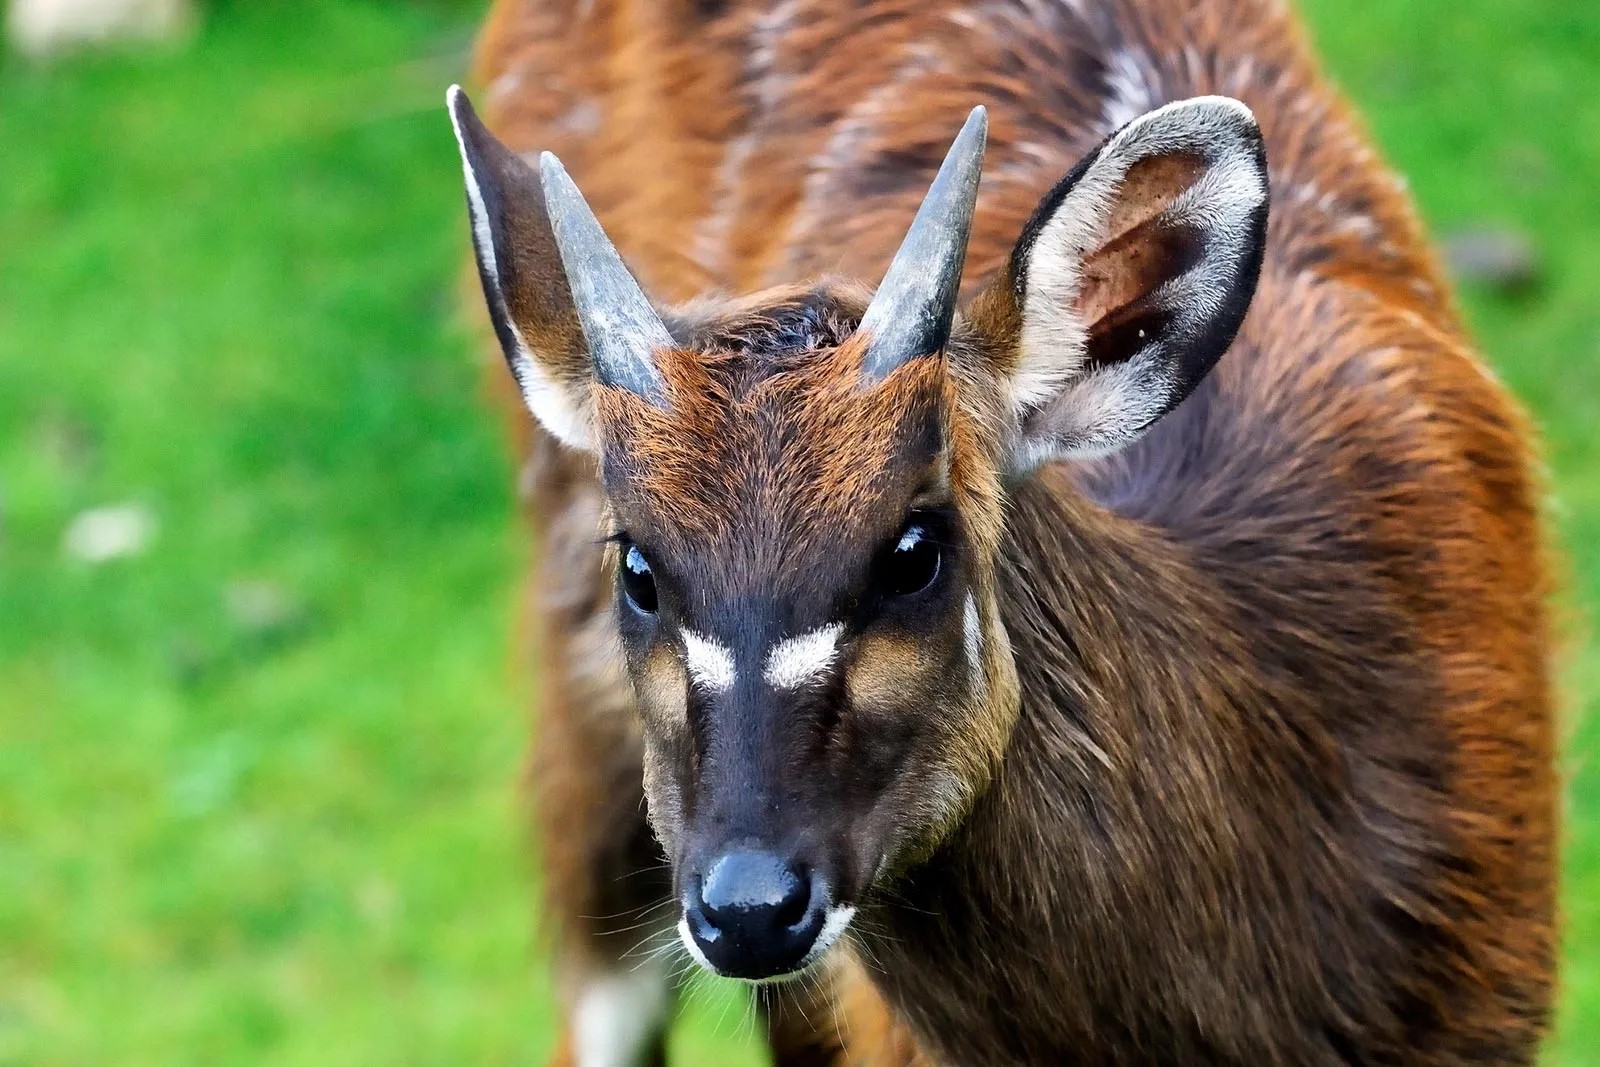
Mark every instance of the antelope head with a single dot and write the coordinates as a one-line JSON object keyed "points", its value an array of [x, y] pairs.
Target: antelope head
{"points": [[806, 490]]}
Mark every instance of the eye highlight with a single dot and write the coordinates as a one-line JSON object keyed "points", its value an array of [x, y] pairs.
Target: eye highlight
{"points": [[912, 563], [638, 583]]}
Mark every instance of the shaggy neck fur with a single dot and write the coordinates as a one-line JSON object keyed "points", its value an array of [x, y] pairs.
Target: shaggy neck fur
{"points": [[1179, 805]]}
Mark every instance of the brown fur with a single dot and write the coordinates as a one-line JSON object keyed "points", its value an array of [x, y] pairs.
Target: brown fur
{"points": [[1332, 784], [1280, 788], [715, 416]]}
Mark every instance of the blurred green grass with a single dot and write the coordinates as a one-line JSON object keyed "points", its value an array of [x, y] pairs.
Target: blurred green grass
{"points": [[227, 294]]}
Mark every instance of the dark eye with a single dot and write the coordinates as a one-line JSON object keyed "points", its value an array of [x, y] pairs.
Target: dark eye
{"points": [[637, 582], [911, 563]]}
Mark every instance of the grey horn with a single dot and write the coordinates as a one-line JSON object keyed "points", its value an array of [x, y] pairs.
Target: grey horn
{"points": [[622, 329], [911, 313]]}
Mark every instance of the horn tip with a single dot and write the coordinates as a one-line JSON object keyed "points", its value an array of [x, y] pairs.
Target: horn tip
{"points": [[550, 166], [977, 124]]}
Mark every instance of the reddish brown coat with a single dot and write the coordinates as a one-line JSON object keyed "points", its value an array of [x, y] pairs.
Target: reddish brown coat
{"points": [[1352, 586]]}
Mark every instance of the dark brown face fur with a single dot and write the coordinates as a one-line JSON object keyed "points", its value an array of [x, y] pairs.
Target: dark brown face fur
{"points": [[769, 499]]}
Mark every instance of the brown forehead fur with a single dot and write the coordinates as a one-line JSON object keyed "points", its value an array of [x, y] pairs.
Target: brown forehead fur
{"points": [[790, 442]]}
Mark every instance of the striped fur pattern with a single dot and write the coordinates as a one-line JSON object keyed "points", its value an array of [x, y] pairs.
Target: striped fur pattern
{"points": [[1238, 744]]}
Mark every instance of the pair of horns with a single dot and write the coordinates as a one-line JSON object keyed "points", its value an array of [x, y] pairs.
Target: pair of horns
{"points": [[909, 316]]}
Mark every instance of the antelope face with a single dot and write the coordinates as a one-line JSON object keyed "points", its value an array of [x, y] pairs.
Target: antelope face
{"points": [[806, 492], [803, 571]]}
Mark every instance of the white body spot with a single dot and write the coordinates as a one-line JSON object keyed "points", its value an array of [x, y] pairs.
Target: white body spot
{"points": [[44, 27], [617, 1015], [710, 663], [1129, 92], [795, 661]]}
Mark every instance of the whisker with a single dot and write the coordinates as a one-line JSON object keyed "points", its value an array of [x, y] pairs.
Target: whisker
{"points": [[629, 913], [651, 921]]}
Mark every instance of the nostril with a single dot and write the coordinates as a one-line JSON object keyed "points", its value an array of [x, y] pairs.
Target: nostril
{"points": [[796, 903], [700, 921]]}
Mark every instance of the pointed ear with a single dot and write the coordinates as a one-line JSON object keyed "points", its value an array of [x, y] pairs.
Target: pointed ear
{"points": [[1130, 280], [529, 299]]}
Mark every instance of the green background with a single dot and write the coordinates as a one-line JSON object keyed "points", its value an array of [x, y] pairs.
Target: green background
{"points": [[228, 293]]}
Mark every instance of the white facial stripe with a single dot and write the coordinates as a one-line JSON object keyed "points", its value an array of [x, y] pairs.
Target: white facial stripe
{"points": [[617, 1015], [709, 663], [796, 661], [972, 627]]}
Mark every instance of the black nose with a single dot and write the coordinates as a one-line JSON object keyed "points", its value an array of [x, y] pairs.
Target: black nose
{"points": [[755, 915]]}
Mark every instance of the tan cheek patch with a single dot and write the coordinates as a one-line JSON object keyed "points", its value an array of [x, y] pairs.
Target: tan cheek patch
{"points": [[663, 794], [886, 670], [663, 691]]}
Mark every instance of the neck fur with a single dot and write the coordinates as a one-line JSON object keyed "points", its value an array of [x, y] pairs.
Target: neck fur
{"points": [[1158, 794]]}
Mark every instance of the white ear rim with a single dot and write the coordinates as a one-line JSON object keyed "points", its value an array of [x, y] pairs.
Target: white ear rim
{"points": [[1052, 342], [547, 399]]}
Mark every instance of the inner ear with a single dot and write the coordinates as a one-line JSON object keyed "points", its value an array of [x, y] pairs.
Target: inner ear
{"points": [[1130, 280], [1120, 297]]}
